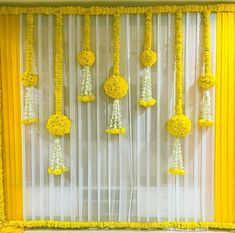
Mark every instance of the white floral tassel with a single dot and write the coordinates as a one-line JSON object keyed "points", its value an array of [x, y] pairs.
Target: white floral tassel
{"points": [[116, 125], [86, 93], [146, 98], [206, 118], [176, 166], [29, 107], [57, 166]]}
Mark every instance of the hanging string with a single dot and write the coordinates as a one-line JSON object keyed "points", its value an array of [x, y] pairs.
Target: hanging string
{"points": [[148, 58], [116, 86], [29, 78], [179, 125], [86, 59], [206, 80], [58, 124]]}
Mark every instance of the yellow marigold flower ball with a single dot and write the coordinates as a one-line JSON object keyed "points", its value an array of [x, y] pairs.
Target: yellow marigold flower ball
{"points": [[179, 125], [148, 57], [29, 79], [116, 87], [206, 81], [86, 58], [58, 124]]}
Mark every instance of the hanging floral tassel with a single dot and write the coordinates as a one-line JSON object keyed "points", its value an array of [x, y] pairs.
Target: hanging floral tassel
{"points": [[179, 125], [86, 59], [29, 78], [58, 124], [116, 86], [207, 80], [148, 58]]}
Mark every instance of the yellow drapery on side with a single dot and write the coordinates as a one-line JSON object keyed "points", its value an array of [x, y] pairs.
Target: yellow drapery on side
{"points": [[225, 119], [11, 115]]}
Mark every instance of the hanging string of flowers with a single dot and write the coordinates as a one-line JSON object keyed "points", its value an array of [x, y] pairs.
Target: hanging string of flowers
{"points": [[86, 59], [116, 86], [148, 58], [29, 78], [58, 124], [206, 80], [179, 125]]}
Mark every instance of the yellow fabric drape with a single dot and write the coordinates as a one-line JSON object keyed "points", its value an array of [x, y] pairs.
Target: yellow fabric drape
{"points": [[11, 115], [225, 119]]}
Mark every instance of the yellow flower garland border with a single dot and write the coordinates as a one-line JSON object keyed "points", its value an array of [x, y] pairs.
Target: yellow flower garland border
{"points": [[94, 10], [20, 225]]}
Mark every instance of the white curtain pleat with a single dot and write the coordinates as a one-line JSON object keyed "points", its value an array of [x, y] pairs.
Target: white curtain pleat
{"points": [[118, 178]]}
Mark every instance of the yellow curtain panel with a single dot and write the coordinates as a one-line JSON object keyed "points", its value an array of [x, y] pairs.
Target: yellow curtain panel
{"points": [[225, 119], [11, 115]]}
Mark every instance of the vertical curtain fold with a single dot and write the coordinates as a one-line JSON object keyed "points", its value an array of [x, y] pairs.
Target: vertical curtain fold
{"points": [[11, 112], [225, 119]]}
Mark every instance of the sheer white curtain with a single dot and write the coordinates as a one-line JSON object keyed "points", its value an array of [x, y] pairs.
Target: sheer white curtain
{"points": [[118, 178]]}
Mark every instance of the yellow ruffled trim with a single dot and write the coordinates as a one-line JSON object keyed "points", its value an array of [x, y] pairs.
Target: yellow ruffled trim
{"points": [[11, 230], [57, 172], [121, 225], [86, 98], [205, 123], [176, 171], [147, 103], [116, 131], [29, 121]]}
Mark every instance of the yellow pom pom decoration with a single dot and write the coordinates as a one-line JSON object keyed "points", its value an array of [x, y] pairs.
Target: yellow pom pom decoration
{"points": [[58, 171], [148, 57], [147, 103], [179, 125], [116, 87], [59, 124], [116, 131], [86, 58], [206, 81], [176, 171], [29, 79], [205, 122]]}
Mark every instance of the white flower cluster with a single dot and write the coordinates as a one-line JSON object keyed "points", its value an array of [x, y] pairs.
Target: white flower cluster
{"points": [[176, 160], [116, 122], [206, 106], [29, 108], [146, 84], [57, 161], [86, 89]]}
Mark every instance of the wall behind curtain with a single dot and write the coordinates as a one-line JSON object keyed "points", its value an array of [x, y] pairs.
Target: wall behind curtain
{"points": [[118, 178], [11, 113]]}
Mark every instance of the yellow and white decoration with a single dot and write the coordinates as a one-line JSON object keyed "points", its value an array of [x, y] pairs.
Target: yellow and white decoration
{"points": [[29, 78], [116, 86], [207, 80], [179, 125], [58, 124], [148, 58], [86, 59]]}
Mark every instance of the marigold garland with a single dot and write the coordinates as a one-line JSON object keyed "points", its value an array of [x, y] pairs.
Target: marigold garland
{"points": [[206, 80], [58, 124], [179, 125], [148, 58], [29, 78], [86, 58], [116, 86]]}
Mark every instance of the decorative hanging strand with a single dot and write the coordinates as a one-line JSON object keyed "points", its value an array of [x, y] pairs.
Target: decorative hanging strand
{"points": [[86, 59], [179, 125], [116, 86], [206, 80], [58, 124], [148, 58], [29, 78]]}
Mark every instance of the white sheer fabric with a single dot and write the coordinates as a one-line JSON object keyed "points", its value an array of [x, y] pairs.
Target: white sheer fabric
{"points": [[118, 178]]}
